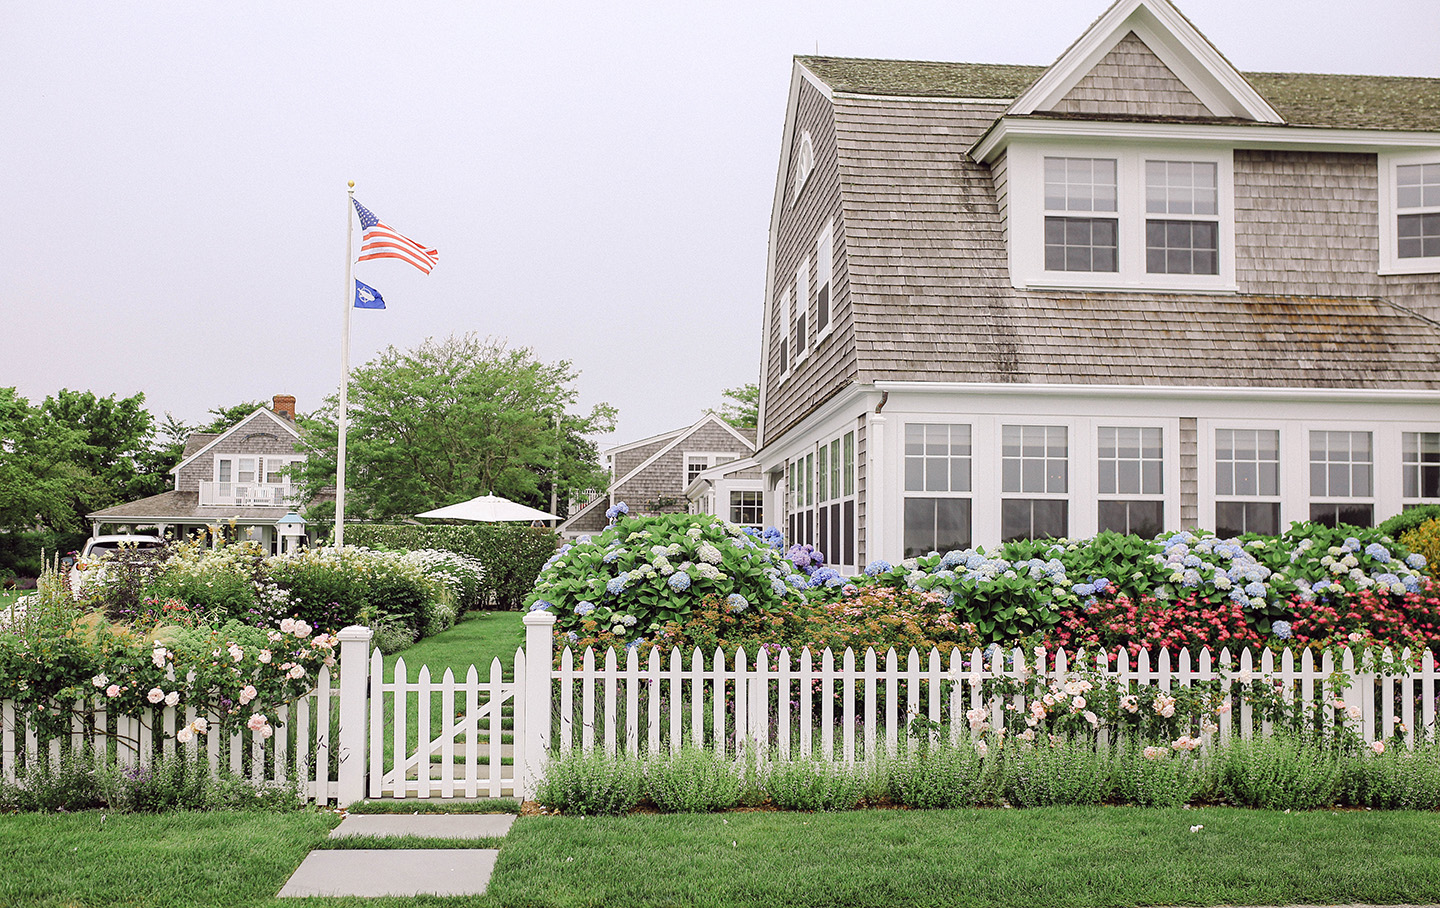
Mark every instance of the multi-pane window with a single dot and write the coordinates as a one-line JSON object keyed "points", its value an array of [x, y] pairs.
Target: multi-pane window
{"points": [[1342, 467], [802, 309], [1417, 200], [1247, 466], [824, 267], [938, 459], [694, 466], [1131, 470], [1420, 463], [1080, 242], [747, 508], [822, 487], [245, 470], [1035, 460], [1182, 226]]}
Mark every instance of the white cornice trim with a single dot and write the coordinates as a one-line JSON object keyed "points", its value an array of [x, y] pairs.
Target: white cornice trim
{"points": [[1176, 392], [1171, 37], [280, 421], [1313, 138], [846, 398]]}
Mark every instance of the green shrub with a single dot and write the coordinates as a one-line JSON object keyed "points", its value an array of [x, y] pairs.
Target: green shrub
{"points": [[591, 783], [20, 553], [1405, 521], [1158, 777], [693, 781], [646, 572], [331, 588], [510, 554], [1279, 773], [78, 782], [462, 575], [1397, 779], [813, 785], [1425, 540], [221, 581], [944, 776], [1053, 775]]}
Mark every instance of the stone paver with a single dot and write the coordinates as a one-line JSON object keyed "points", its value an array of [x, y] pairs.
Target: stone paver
{"points": [[393, 872], [432, 826]]}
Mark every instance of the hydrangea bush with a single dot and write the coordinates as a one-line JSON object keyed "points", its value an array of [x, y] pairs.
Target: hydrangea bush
{"points": [[641, 574]]}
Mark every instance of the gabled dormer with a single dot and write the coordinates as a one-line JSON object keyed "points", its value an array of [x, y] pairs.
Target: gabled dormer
{"points": [[1094, 198], [247, 465]]}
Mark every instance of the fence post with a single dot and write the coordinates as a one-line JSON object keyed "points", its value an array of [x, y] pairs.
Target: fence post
{"points": [[535, 688], [354, 672]]}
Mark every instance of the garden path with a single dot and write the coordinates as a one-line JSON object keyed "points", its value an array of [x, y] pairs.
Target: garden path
{"points": [[373, 872]]}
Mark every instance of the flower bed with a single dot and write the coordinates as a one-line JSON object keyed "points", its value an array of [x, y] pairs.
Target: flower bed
{"points": [[687, 581]]}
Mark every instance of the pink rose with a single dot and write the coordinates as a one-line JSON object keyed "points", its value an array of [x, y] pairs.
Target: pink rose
{"points": [[112, 691], [257, 722], [248, 693], [172, 698], [155, 695]]}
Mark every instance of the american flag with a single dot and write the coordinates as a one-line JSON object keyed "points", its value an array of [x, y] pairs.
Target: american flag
{"points": [[382, 242]]}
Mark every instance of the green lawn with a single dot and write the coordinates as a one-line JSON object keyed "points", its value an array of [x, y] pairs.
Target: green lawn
{"points": [[1055, 858], [9, 596]]}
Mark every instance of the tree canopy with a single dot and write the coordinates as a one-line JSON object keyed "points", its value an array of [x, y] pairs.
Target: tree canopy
{"points": [[742, 406], [453, 419]]}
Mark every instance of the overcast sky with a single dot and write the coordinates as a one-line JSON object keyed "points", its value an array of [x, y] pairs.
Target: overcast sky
{"points": [[596, 176]]}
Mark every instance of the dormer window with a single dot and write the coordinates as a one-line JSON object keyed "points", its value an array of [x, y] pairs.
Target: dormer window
{"points": [[1409, 214], [1109, 216], [804, 162]]}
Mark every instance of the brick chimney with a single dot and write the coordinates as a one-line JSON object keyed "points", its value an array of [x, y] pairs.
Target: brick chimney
{"points": [[285, 406]]}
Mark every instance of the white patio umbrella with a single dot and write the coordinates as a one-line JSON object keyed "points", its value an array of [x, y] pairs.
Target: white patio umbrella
{"points": [[489, 509]]}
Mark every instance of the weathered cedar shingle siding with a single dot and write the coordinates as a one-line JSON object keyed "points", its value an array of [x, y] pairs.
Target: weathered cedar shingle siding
{"points": [[1189, 474], [665, 478], [629, 459], [831, 361], [1132, 81]]}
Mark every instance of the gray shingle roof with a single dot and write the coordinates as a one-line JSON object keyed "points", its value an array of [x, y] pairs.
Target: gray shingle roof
{"points": [[174, 506], [1303, 99]]}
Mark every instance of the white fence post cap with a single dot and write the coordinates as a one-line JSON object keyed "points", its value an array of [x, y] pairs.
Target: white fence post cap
{"points": [[355, 633], [538, 618]]}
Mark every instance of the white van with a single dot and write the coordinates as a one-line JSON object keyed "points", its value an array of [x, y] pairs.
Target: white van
{"points": [[108, 545]]}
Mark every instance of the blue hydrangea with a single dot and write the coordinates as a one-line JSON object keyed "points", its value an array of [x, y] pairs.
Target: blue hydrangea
{"points": [[824, 575], [1412, 584], [542, 606], [799, 581], [628, 620], [835, 581], [1255, 588], [1101, 585], [877, 567], [679, 581], [584, 607], [1351, 544], [620, 510], [611, 556], [1190, 579], [1192, 561], [1282, 630], [617, 585], [952, 558], [736, 602], [1083, 589], [1415, 561], [1320, 585], [572, 636], [777, 586], [972, 561], [1378, 552], [583, 540]]}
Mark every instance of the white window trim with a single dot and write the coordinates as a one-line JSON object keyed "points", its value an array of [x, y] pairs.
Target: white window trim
{"points": [[1400, 464], [708, 458], [804, 164], [1292, 484], [1390, 261], [1312, 498], [825, 275], [802, 308], [1026, 216]]}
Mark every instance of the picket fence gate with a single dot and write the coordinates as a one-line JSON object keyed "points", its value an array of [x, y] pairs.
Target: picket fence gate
{"points": [[771, 705]]}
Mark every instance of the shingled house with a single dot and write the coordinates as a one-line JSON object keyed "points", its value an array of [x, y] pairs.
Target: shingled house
{"points": [[237, 479], [652, 475], [1134, 290]]}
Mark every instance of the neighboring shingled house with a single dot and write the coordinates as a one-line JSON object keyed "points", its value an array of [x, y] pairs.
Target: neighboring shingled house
{"points": [[1133, 290], [237, 477], [651, 475]]}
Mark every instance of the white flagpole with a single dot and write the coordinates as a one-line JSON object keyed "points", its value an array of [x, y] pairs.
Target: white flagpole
{"points": [[345, 366]]}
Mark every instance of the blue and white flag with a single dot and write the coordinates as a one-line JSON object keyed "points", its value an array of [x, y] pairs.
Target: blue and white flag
{"points": [[367, 297]]}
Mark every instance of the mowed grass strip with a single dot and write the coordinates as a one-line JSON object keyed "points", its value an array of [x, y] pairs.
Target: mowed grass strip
{"points": [[428, 806], [393, 842], [182, 858], [1057, 858]]}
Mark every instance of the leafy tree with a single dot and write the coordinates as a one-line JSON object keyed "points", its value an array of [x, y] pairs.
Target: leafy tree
{"points": [[742, 407], [225, 417], [454, 419], [116, 451], [43, 483]]}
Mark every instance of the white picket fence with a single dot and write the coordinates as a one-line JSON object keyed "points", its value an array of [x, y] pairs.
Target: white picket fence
{"points": [[781, 705], [298, 751], [850, 706]]}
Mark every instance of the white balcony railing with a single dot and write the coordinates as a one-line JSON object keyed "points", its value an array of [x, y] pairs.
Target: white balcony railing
{"points": [[245, 494]]}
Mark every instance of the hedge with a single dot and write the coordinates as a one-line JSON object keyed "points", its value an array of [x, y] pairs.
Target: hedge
{"points": [[20, 552], [512, 553]]}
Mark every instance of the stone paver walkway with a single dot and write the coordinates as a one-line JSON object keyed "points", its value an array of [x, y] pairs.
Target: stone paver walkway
{"points": [[373, 872]]}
